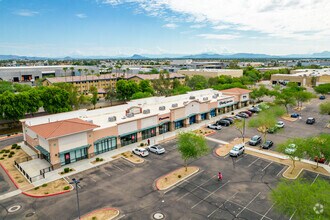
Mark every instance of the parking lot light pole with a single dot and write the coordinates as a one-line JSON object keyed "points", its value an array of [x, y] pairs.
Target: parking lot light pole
{"points": [[243, 129], [76, 182]]}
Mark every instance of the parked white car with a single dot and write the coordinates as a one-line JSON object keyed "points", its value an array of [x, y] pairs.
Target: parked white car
{"points": [[140, 151], [237, 150], [157, 149], [214, 126], [291, 149], [280, 124]]}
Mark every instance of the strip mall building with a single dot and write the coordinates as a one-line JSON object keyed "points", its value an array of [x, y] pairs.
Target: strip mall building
{"points": [[72, 136]]}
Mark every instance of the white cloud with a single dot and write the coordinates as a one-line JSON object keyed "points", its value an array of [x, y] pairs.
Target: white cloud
{"points": [[170, 25], [80, 15], [26, 13], [197, 26], [218, 36], [277, 18], [222, 27]]}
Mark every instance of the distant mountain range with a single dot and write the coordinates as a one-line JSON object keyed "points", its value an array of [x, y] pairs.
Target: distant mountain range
{"points": [[324, 54]]}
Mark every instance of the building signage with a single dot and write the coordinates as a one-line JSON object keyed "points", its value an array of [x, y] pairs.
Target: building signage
{"points": [[225, 103], [160, 119]]}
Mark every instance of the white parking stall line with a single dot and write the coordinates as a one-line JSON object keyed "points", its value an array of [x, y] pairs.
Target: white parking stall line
{"points": [[239, 159], [118, 167], [253, 162], [267, 212], [106, 173], [195, 188], [267, 166], [248, 204], [222, 205], [315, 178], [226, 156], [93, 179], [281, 171], [210, 194]]}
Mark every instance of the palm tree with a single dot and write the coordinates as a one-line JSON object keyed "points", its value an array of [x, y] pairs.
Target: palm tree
{"points": [[86, 72], [72, 69], [65, 69], [80, 70]]}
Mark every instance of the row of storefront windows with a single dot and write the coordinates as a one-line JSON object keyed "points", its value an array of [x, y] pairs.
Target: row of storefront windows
{"points": [[105, 145], [73, 155], [148, 133]]}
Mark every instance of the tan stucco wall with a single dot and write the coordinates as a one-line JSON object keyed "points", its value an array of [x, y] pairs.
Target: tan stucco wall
{"points": [[54, 151]]}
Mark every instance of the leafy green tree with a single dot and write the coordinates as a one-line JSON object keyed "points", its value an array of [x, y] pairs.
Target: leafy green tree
{"points": [[181, 90], [33, 100], [21, 87], [301, 198], [229, 86], [125, 89], [322, 89], [258, 93], [293, 149], [111, 94], [73, 93], [82, 99], [176, 84], [55, 99], [6, 86], [12, 106], [317, 147], [145, 86], [252, 73], [162, 85], [302, 96], [266, 119], [325, 108], [141, 95], [191, 145], [197, 82], [94, 97], [285, 98]]}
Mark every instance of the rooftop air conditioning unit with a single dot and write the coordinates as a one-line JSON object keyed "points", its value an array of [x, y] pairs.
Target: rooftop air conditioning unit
{"points": [[130, 115], [112, 119], [89, 120], [205, 98], [124, 117], [162, 108], [146, 111], [174, 105], [186, 102], [192, 97]]}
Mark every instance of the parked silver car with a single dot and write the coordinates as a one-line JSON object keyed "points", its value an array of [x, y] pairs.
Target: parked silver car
{"points": [[140, 151], [237, 150], [214, 126], [157, 149]]}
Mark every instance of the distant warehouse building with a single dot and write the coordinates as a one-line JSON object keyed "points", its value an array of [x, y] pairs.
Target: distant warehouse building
{"points": [[33, 73], [303, 77], [212, 72]]}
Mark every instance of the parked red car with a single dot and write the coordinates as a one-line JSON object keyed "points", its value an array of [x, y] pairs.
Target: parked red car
{"points": [[321, 160], [247, 112]]}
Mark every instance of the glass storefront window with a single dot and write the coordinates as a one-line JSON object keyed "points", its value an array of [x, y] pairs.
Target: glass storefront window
{"points": [[212, 113], [105, 145], [128, 139], [148, 133], [73, 156], [192, 119], [203, 116], [178, 124], [164, 128]]}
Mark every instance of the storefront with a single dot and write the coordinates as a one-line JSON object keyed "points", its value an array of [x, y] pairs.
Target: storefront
{"points": [[44, 152], [165, 127], [148, 133], [74, 155], [178, 124], [212, 113], [203, 116], [128, 139], [192, 119], [105, 144]]}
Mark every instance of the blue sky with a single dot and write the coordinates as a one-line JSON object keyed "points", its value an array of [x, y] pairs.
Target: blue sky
{"points": [[125, 27]]}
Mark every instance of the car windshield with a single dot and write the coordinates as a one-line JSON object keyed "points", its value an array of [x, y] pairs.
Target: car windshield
{"points": [[255, 138], [235, 148]]}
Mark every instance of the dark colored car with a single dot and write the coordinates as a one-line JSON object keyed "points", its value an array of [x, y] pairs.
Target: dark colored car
{"points": [[310, 121], [268, 144], [229, 119], [224, 123], [295, 115], [254, 110], [243, 115], [322, 97], [320, 160]]}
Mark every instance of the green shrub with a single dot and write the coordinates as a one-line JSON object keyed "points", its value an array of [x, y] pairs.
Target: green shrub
{"points": [[13, 147], [8, 135], [18, 147], [44, 185], [46, 193], [66, 188], [179, 176], [94, 218], [2, 158], [5, 155], [101, 159], [66, 170], [10, 156], [71, 169], [142, 144], [1, 152], [62, 172], [7, 151], [97, 159], [36, 188], [12, 152]]}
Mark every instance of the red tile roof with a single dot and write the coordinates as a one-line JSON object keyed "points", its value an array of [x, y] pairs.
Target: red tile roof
{"points": [[62, 128], [236, 91]]}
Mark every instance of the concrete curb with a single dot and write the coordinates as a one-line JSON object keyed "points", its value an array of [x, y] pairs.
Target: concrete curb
{"points": [[293, 178], [10, 177], [47, 195], [11, 136], [97, 210], [156, 181]]}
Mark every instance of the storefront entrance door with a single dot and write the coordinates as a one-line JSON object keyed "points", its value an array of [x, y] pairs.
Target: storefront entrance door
{"points": [[67, 158]]}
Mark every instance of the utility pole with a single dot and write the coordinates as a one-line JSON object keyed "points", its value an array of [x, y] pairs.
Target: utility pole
{"points": [[76, 182]]}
